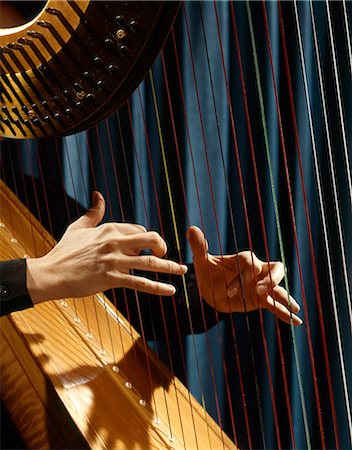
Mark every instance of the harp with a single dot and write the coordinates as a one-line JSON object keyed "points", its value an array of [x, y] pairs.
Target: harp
{"points": [[255, 96]]}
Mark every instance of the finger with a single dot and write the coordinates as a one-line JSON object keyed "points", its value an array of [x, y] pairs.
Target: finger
{"points": [[145, 285], [275, 273], [131, 228], [281, 295], [126, 229], [250, 269], [281, 311], [152, 263], [197, 242], [135, 243], [94, 215]]}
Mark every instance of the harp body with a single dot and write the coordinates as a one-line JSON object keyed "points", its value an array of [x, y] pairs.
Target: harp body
{"points": [[76, 62]]}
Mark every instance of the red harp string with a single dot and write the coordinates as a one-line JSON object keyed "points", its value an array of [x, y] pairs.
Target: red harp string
{"points": [[266, 384]]}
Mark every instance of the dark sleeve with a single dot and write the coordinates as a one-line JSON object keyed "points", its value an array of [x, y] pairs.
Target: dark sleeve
{"points": [[184, 313], [13, 290]]}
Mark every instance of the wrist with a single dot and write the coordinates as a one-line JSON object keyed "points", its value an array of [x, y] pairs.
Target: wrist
{"points": [[38, 280]]}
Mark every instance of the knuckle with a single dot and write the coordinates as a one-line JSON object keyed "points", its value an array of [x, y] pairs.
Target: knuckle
{"points": [[151, 260], [108, 246], [281, 266], [142, 283], [142, 228], [154, 237]]}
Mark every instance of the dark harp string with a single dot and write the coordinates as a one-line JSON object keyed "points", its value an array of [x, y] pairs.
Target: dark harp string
{"points": [[229, 201], [201, 216], [283, 146], [250, 241], [210, 180], [178, 248], [77, 319], [117, 186], [316, 167], [147, 140], [162, 233], [347, 29], [179, 165], [341, 119], [263, 119], [201, 306], [337, 214], [108, 202], [68, 214], [135, 293], [160, 300], [227, 384], [323, 215], [251, 145], [118, 191], [346, 161]]}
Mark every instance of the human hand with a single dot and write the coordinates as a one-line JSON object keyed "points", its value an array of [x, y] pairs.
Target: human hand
{"points": [[90, 259], [240, 282]]}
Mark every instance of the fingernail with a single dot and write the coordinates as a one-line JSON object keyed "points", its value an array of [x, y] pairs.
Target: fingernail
{"points": [[184, 268], [295, 307]]}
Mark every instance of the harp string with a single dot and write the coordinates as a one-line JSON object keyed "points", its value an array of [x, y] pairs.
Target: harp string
{"points": [[162, 229], [218, 330], [203, 227], [178, 249], [188, 221], [340, 109], [347, 163], [151, 168], [261, 211], [234, 138], [347, 29], [274, 195], [320, 196], [201, 215], [118, 191], [140, 319], [205, 150], [262, 223], [322, 210], [232, 221], [192, 159], [293, 220]]}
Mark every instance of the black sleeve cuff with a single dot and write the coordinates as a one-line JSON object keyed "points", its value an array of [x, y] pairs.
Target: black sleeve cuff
{"points": [[13, 289]]}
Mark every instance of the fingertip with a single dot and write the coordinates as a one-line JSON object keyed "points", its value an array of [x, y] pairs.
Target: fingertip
{"points": [[169, 289], [294, 306], [297, 321], [96, 198], [183, 268]]}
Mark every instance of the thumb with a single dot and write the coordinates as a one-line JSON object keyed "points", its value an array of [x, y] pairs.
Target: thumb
{"points": [[93, 215], [198, 242]]}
